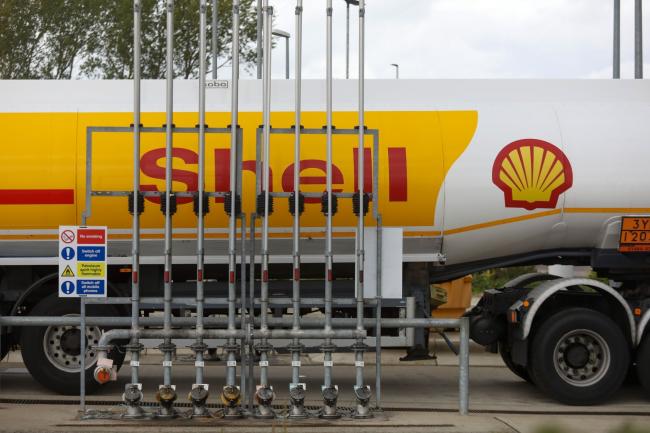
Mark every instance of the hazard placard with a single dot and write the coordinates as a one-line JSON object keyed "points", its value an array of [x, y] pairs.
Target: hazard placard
{"points": [[67, 272], [82, 261]]}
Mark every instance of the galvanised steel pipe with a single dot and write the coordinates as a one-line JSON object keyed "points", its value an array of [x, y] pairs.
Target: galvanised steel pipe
{"points": [[168, 347], [362, 392], [308, 323], [296, 350], [266, 78], [231, 364], [199, 392], [307, 334], [135, 243]]}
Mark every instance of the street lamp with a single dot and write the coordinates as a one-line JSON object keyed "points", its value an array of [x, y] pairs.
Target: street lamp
{"points": [[347, 36], [286, 36], [396, 70]]}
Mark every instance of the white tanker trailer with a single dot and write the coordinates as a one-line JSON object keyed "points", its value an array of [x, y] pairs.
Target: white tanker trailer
{"points": [[466, 176]]}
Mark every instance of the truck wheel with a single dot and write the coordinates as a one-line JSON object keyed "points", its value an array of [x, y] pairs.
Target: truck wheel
{"points": [[518, 370], [51, 354], [643, 363], [579, 357]]}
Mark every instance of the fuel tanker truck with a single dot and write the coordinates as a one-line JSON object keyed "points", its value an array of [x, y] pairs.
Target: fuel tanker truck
{"points": [[466, 175]]}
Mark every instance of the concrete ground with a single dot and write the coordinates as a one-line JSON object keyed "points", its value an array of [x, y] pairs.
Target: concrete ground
{"points": [[417, 396]]}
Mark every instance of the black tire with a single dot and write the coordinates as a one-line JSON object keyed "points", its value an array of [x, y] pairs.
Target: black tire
{"points": [[42, 366], [643, 363], [579, 357], [518, 370]]}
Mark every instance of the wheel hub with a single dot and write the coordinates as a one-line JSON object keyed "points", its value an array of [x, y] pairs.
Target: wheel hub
{"points": [[62, 346], [581, 357]]}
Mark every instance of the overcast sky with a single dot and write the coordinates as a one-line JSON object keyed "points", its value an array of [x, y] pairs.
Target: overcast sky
{"points": [[464, 38]]}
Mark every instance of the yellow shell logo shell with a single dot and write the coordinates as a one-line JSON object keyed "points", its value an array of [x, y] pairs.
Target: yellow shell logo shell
{"points": [[532, 174]]}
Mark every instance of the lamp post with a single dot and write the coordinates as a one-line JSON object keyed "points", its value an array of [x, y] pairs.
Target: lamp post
{"points": [[396, 70], [347, 36], [617, 40], [286, 36]]}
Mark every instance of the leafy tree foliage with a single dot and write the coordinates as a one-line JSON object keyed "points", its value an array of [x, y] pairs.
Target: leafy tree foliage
{"points": [[62, 39]]}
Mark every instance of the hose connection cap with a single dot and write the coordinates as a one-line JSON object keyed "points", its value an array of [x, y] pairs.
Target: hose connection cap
{"points": [[230, 396], [198, 395], [132, 393], [166, 395], [297, 395], [362, 394], [264, 395], [330, 395]]}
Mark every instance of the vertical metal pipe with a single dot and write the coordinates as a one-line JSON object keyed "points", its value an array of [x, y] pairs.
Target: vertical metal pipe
{"points": [[260, 19], [215, 37], [347, 40], [82, 354], [266, 75], [135, 227], [617, 40], [251, 314], [286, 59], [327, 379], [200, 223], [359, 257], [295, 360], [463, 375], [378, 314], [242, 296], [169, 131], [638, 39], [232, 232]]}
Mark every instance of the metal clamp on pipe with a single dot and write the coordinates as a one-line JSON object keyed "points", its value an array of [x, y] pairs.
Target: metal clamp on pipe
{"points": [[133, 398]]}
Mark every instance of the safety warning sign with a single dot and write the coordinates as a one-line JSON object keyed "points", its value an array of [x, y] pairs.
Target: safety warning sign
{"points": [[82, 261]]}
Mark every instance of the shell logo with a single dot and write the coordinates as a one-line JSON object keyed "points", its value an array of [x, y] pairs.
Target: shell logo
{"points": [[532, 174]]}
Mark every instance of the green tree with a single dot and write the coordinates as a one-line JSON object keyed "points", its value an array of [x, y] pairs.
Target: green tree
{"points": [[111, 52], [62, 39], [21, 38]]}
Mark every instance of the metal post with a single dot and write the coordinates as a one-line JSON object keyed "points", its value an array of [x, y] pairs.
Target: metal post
{"points": [[296, 391], [167, 393], [617, 40], [396, 66], [251, 314], [378, 315], [82, 355], [463, 375], [259, 40], [264, 393], [215, 37], [286, 36], [330, 392], [242, 296], [638, 40]]}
